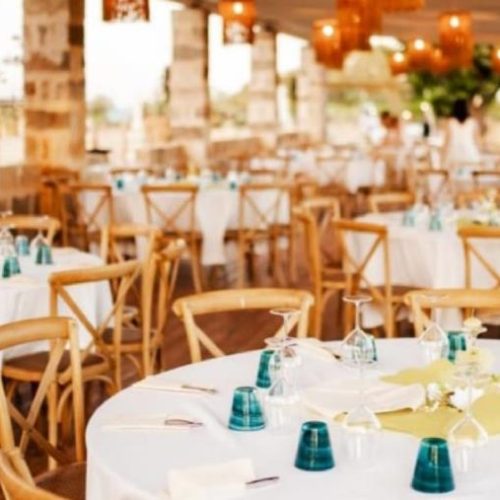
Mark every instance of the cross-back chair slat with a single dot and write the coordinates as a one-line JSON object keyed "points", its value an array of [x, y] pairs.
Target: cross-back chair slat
{"points": [[61, 334], [383, 202], [50, 226], [187, 308], [483, 178]]}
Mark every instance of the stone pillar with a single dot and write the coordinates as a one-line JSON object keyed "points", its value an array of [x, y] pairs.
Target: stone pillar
{"points": [[262, 111], [311, 97], [54, 83], [189, 94]]}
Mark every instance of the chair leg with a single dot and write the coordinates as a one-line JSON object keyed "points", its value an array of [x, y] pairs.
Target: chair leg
{"points": [[292, 258], [317, 313], [196, 267], [52, 396], [241, 265]]}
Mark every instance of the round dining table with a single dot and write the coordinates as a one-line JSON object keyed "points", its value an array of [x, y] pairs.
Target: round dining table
{"points": [[27, 295], [134, 463]]}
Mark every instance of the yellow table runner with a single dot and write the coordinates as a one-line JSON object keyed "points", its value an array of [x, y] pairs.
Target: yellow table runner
{"points": [[438, 423]]}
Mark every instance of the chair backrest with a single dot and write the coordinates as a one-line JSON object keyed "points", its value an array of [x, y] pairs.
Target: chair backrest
{"points": [[49, 225], [123, 274], [383, 202], [187, 308], [468, 198], [316, 216], [264, 205], [133, 171], [94, 205], [18, 484], [434, 181], [172, 208], [355, 267], [485, 178], [61, 335], [474, 239], [423, 301]]}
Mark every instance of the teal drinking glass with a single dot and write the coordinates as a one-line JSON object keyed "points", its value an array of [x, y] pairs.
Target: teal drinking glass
{"points": [[246, 413], [315, 450], [44, 255], [10, 267], [263, 375], [433, 472], [436, 224], [409, 218], [457, 342], [22, 245]]}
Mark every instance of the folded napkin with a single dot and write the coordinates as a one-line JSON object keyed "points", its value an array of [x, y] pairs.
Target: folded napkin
{"points": [[315, 348], [211, 482], [333, 399], [439, 372], [158, 384], [148, 422]]}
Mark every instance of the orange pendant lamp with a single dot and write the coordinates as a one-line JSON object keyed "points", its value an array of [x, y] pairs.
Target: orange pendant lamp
{"points": [[456, 38], [239, 19], [419, 54], [399, 63], [495, 59], [440, 64], [359, 20], [126, 10], [402, 5], [327, 42]]}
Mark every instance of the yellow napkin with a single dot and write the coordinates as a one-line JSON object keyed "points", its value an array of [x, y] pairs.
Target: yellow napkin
{"points": [[438, 372]]}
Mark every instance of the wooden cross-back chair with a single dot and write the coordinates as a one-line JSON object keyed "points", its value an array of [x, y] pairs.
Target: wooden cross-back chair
{"points": [[334, 168], [93, 207], [167, 214], [46, 224], [385, 295], [133, 171], [141, 340], [123, 275], [327, 277], [434, 181], [61, 335], [258, 221], [385, 202], [485, 178], [187, 308], [470, 301], [472, 237], [466, 199]]}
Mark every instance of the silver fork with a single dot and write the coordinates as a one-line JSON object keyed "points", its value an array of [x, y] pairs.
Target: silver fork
{"points": [[182, 422]]}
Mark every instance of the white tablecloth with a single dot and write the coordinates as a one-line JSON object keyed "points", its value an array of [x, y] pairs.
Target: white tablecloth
{"points": [[421, 258], [216, 211], [27, 296], [133, 464]]}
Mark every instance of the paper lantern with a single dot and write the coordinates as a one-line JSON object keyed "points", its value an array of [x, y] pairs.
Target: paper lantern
{"points": [[419, 54], [327, 43], [456, 39], [126, 10], [239, 19], [495, 59], [440, 64], [399, 63], [358, 21], [402, 5]]}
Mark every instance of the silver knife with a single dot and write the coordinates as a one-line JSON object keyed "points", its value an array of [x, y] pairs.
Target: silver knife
{"points": [[262, 482]]}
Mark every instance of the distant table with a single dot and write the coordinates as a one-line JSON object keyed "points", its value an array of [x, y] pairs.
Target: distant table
{"points": [[131, 464], [27, 296]]}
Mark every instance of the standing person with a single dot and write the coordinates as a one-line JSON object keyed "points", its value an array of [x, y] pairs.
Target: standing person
{"points": [[462, 142]]}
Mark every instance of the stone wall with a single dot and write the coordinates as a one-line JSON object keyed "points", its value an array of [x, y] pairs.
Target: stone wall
{"points": [[54, 83], [262, 96], [189, 96]]}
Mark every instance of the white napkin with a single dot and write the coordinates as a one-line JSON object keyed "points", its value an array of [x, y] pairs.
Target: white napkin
{"points": [[315, 348], [341, 396], [157, 384], [211, 482], [145, 422]]}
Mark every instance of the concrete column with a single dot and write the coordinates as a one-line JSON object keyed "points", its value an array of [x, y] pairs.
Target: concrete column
{"points": [[311, 97], [262, 111], [54, 82], [189, 94]]}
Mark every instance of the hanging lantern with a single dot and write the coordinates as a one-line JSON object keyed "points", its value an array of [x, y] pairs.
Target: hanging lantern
{"points": [[456, 39], [126, 10], [327, 43], [399, 63], [402, 5], [440, 64], [419, 54], [239, 19], [358, 21], [495, 59]]}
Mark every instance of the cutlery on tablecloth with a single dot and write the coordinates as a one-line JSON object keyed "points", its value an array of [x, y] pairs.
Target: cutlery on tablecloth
{"points": [[175, 387], [154, 423], [262, 482]]}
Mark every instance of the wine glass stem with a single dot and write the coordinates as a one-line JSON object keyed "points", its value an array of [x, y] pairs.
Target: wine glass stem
{"points": [[357, 315], [361, 382]]}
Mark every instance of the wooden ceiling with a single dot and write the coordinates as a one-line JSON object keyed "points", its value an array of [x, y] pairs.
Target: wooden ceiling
{"points": [[296, 16]]}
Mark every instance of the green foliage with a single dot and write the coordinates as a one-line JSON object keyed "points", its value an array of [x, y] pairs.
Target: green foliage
{"points": [[442, 90]]}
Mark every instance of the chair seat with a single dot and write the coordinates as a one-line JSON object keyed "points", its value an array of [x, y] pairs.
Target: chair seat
{"points": [[67, 481], [130, 335], [31, 367]]}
